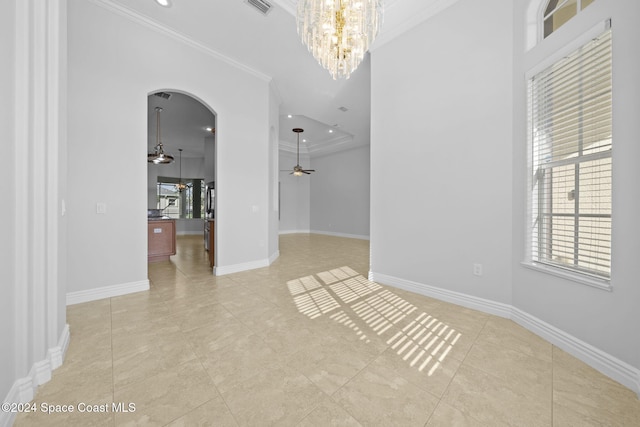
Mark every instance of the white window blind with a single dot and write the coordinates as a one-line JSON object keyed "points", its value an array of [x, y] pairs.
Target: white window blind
{"points": [[570, 161]]}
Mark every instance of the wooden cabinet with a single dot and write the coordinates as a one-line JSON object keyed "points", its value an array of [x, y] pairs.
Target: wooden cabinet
{"points": [[162, 239], [209, 231]]}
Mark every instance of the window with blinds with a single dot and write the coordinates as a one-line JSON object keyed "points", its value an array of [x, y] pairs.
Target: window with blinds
{"points": [[570, 161]]}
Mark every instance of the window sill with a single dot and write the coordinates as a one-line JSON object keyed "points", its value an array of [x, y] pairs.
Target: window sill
{"points": [[594, 282]]}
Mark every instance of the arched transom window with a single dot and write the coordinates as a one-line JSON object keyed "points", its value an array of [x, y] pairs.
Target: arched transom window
{"points": [[558, 12]]}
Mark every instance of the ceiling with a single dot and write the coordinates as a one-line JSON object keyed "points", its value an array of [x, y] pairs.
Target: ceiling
{"points": [[183, 123], [269, 46]]}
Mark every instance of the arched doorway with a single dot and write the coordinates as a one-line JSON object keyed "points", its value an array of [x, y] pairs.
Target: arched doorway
{"points": [[182, 191]]}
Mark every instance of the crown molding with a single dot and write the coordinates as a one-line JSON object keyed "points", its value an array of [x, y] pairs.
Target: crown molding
{"points": [[288, 5], [176, 35]]}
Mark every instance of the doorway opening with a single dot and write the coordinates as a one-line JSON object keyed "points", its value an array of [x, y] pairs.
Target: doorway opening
{"points": [[182, 191]]}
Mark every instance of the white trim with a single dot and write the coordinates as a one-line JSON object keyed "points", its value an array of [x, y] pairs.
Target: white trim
{"points": [[533, 25], [349, 236], [55, 134], [618, 370], [568, 48], [156, 26], [583, 279], [470, 301], [23, 389], [294, 232], [288, 5], [22, 206], [252, 265], [274, 256], [56, 354], [237, 268], [419, 14], [106, 292], [605, 363], [21, 392]]}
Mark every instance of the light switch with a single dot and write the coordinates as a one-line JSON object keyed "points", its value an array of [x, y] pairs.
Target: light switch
{"points": [[101, 208]]}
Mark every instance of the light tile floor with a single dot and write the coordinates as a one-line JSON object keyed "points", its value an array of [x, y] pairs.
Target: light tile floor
{"points": [[310, 341]]}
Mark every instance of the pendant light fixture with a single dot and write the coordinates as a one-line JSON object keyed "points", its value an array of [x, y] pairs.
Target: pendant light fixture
{"points": [[297, 169], [338, 33], [180, 186], [159, 157]]}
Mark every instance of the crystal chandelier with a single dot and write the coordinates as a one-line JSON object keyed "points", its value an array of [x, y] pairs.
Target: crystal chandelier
{"points": [[339, 32]]}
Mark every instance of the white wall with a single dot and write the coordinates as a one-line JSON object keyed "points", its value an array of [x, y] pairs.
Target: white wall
{"points": [[114, 63], [606, 320], [448, 166], [209, 159], [7, 175], [274, 174], [295, 195], [340, 193], [441, 152]]}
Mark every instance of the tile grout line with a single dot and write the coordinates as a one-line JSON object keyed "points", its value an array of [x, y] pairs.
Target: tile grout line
{"points": [[456, 373]]}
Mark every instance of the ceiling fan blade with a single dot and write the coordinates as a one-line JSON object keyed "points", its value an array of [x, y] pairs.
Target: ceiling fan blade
{"points": [[308, 173], [309, 170]]}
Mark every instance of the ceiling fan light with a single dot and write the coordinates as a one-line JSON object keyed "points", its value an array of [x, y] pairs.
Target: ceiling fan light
{"points": [[297, 169]]}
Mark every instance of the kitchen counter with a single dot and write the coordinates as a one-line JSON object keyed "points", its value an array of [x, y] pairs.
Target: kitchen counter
{"points": [[161, 236]]}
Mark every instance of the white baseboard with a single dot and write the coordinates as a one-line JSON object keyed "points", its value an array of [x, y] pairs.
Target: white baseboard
{"points": [[237, 268], [605, 363], [326, 233], [350, 236], [106, 292], [252, 265], [23, 389], [476, 303], [294, 231], [274, 256]]}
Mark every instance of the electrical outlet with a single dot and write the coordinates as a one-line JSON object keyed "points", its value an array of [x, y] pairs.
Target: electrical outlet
{"points": [[477, 269]]}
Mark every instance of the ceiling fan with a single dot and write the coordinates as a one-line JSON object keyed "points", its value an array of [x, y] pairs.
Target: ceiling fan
{"points": [[297, 169]]}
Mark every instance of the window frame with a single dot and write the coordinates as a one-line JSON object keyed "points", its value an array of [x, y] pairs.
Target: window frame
{"points": [[185, 202], [542, 16], [559, 271]]}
